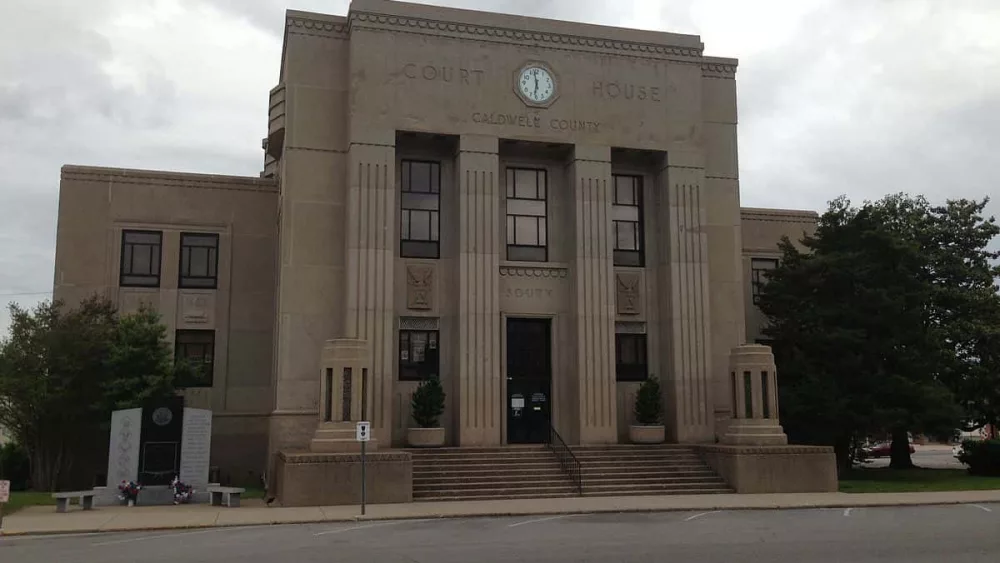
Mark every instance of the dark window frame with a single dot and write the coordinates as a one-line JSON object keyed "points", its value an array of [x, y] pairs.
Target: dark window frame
{"points": [[510, 193], [213, 263], [632, 371], [410, 370], [129, 247], [410, 247], [189, 338], [758, 277], [621, 255]]}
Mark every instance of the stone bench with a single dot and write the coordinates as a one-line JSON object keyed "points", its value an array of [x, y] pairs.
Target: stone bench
{"points": [[63, 498], [226, 496]]}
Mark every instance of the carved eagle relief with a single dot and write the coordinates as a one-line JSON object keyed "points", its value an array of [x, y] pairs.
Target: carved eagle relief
{"points": [[628, 294], [419, 287]]}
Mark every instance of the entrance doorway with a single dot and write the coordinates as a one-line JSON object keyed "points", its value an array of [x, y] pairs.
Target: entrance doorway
{"points": [[529, 380]]}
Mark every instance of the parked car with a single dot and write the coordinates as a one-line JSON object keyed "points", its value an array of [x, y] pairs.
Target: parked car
{"points": [[883, 449]]}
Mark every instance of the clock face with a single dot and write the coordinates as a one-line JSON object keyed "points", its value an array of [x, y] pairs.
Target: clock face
{"points": [[536, 84]]}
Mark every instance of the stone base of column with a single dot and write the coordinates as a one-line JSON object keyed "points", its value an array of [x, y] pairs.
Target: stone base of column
{"points": [[774, 469], [329, 479], [338, 437], [751, 432]]}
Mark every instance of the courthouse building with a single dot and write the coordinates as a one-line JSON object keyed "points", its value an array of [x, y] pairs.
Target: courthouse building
{"points": [[542, 213]]}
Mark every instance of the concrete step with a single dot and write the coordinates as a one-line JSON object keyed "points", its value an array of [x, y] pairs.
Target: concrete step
{"points": [[690, 474], [636, 455], [716, 491], [643, 488], [499, 468], [626, 482], [454, 458], [477, 450], [498, 492], [460, 497], [534, 484]]}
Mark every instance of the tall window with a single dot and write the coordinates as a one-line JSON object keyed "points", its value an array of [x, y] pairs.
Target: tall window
{"points": [[420, 208], [527, 223], [197, 348], [759, 268], [140, 264], [630, 357], [418, 354], [626, 211], [199, 260]]}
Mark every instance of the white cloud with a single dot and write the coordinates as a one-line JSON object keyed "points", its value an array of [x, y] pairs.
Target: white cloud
{"points": [[836, 96]]}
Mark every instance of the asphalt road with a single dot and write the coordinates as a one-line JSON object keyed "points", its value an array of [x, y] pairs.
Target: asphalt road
{"points": [[957, 534]]}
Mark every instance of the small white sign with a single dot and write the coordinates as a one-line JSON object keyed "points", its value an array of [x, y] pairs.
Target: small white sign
{"points": [[517, 402], [4, 491], [364, 431]]}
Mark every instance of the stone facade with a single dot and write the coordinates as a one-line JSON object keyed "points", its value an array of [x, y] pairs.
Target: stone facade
{"points": [[628, 157]]}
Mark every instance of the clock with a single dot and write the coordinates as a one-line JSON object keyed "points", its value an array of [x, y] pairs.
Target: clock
{"points": [[535, 84]]}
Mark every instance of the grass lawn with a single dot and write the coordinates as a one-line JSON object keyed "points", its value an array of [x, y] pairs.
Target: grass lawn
{"points": [[885, 480], [20, 499]]}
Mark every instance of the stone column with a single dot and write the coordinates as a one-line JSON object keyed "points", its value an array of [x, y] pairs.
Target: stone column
{"points": [[683, 273], [753, 382], [593, 314], [478, 385], [371, 243], [345, 395]]}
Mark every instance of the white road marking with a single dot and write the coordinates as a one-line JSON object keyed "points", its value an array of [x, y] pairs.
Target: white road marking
{"points": [[174, 535], [981, 507], [847, 511], [516, 524], [696, 516], [375, 525]]}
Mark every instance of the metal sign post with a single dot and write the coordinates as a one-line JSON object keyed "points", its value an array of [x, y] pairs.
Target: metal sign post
{"points": [[363, 435]]}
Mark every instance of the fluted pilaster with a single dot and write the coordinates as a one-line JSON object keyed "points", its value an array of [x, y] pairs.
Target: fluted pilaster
{"points": [[683, 272], [593, 280], [478, 385], [371, 240]]}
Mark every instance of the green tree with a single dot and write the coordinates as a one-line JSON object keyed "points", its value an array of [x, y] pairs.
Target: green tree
{"points": [[877, 321], [63, 371]]}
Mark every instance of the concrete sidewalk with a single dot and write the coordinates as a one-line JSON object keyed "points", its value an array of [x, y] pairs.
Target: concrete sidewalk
{"points": [[44, 519]]}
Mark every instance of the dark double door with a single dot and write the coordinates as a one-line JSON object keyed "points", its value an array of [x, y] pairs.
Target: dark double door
{"points": [[529, 380]]}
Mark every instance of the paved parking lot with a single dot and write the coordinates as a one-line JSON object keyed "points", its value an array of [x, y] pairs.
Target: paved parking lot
{"points": [[930, 457], [956, 533]]}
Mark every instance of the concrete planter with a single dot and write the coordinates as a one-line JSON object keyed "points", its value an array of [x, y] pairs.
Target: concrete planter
{"points": [[646, 434], [425, 437]]}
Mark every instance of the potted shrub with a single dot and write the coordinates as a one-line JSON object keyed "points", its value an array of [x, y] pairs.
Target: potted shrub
{"points": [[648, 427], [427, 405]]}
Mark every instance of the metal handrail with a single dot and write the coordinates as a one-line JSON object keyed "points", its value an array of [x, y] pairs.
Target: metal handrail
{"points": [[567, 460]]}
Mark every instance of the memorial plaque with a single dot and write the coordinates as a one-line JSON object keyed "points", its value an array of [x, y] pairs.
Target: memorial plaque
{"points": [[123, 447], [196, 446]]}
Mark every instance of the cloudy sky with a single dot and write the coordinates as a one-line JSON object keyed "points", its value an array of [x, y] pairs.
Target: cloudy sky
{"points": [[856, 97]]}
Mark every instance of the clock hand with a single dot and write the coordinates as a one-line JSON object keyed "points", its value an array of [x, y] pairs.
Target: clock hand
{"points": [[536, 85]]}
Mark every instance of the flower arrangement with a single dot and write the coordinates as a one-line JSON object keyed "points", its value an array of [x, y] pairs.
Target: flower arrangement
{"points": [[128, 492], [182, 492]]}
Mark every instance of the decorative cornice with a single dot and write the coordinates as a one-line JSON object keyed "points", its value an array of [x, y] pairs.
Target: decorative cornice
{"points": [[323, 28], [718, 70], [509, 271], [300, 24]]}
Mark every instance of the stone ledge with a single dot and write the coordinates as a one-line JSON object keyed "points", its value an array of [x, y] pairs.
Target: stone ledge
{"points": [[785, 450], [165, 178], [297, 457]]}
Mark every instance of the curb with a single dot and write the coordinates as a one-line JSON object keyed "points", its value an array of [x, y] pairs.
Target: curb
{"points": [[497, 514]]}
